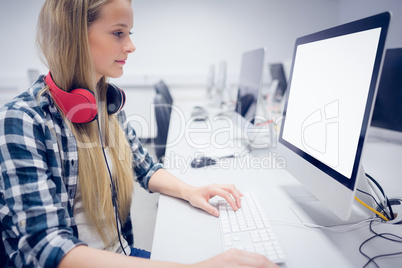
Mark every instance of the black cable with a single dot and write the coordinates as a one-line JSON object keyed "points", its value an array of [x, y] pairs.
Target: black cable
{"points": [[113, 190], [380, 206], [381, 235], [365, 255], [376, 183], [392, 216]]}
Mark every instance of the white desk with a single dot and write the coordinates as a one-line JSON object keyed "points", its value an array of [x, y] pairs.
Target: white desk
{"points": [[187, 235]]}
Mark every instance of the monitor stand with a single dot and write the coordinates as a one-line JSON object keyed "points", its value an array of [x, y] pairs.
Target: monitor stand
{"points": [[310, 210]]}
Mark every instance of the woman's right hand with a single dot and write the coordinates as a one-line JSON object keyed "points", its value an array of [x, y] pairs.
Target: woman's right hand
{"points": [[237, 258]]}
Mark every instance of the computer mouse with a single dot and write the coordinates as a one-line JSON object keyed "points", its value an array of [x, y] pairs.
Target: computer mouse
{"points": [[199, 113], [202, 161]]}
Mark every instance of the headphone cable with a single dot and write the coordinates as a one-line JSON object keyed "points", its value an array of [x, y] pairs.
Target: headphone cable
{"points": [[113, 190]]}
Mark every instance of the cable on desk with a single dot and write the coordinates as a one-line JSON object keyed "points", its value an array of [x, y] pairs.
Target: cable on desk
{"points": [[376, 183], [372, 209], [379, 206], [265, 123], [391, 216], [346, 227], [387, 236]]}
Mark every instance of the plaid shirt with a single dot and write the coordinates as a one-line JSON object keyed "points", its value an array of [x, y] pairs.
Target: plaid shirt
{"points": [[38, 180]]}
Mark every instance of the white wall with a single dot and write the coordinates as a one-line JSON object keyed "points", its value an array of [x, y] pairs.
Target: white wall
{"points": [[178, 37], [17, 51], [178, 40], [354, 9]]}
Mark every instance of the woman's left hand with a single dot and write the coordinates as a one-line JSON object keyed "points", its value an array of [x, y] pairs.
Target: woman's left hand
{"points": [[199, 197]]}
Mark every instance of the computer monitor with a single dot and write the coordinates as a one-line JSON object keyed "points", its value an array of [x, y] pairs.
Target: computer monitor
{"points": [[279, 79], [332, 88], [210, 80], [237, 129], [386, 123], [250, 81], [220, 85]]}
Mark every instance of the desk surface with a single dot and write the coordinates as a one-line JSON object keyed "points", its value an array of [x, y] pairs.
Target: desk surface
{"points": [[187, 235]]}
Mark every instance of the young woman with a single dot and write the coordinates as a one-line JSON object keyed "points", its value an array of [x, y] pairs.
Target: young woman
{"points": [[68, 156]]}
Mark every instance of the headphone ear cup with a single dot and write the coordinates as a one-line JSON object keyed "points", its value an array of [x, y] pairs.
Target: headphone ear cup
{"points": [[116, 98], [78, 105], [84, 109]]}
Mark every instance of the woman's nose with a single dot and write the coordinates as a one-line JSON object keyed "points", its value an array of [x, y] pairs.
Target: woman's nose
{"points": [[130, 48]]}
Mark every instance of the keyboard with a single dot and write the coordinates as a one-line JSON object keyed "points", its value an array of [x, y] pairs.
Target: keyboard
{"points": [[249, 229]]}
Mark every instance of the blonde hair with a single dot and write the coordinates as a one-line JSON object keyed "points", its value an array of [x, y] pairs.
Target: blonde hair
{"points": [[63, 41]]}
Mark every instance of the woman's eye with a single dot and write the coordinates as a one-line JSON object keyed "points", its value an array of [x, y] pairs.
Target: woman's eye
{"points": [[118, 34]]}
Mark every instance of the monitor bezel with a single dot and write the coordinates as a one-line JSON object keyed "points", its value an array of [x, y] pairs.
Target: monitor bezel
{"points": [[377, 21]]}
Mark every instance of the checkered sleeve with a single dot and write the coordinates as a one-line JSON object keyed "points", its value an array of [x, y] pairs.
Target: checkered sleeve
{"points": [[143, 164], [34, 227]]}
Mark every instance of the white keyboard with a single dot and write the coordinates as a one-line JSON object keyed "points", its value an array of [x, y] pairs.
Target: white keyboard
{"points": [[249, 229]]}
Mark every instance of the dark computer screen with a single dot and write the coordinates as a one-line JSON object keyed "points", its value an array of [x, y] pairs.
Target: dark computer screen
{"points": [[250, 83], [388, 108], [278, 74]]}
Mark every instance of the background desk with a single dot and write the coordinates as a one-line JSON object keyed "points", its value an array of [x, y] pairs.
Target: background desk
{"points": [[187, 235]]}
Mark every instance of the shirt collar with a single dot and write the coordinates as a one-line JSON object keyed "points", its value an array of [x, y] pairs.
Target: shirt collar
{"points": [[46, 102]]}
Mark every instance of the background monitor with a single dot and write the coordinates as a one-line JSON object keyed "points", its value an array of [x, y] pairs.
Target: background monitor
{"points": [[210, 80], [328, 109], [386, 122], [221, 80], [278, 76], [250, 82]]}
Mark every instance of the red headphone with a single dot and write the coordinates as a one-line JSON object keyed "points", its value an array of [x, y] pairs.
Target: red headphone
{"points": [[79, 105]]}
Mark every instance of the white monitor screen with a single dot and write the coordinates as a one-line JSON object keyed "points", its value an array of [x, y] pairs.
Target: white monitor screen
{"points": [[323, 117]]}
